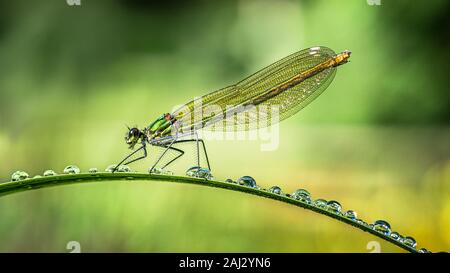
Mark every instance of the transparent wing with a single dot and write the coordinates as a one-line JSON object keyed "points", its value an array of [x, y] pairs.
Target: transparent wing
{"points": [[228, 108]]}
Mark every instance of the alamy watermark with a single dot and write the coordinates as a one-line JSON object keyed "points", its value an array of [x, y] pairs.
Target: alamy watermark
{"points": [[73, 2], [374, 247], [74, 247], [374, 2]]}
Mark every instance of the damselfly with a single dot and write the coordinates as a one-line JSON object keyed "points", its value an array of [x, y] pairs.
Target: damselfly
{"points": [[288, 85]]}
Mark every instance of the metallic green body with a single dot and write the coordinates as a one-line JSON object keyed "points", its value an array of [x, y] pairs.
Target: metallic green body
{"points": [[161, 127]]}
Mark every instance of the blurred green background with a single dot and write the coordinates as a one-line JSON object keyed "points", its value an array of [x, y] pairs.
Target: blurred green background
{"points": [[377, 140]]}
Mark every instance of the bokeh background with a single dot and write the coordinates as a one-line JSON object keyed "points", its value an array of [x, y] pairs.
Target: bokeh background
{"points": [[377, 140]]}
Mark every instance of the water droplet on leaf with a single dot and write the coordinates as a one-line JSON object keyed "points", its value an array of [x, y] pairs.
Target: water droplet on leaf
{"points": [[396, 236], [361, 222], [204, 173], [123, 169], [156, 171], [192, 171], [49, 173], [409, 241], [247, 181], [93, 170], [19, 176], [110, 168], [199, 172], [275, 189], [71, 169], [161, 171], [302, 195], [334, 206], [382, 227], [351, 214], [320, 203]]}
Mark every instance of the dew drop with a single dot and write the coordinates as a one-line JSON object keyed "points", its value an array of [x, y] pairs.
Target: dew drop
{"points": [[199, 172], [19, 176], [424, 250], [229, 180], [247, 181], [156, 171], [302, 195], [49, 173], [192, 171], [351, 214], [361, 222], [396, 236], [275, 189], [320, 203], [123, 169], [409, 241], [160, 171], [71, 169], [93, 170], [204, 173], [334, 206], [110, 168], [382, 227]]}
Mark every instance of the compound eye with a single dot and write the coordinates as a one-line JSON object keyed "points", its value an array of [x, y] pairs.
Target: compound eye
{"points": [[134, 132]]}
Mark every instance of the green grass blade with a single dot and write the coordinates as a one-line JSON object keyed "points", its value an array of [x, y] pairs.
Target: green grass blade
{"points": [[66, 179]]}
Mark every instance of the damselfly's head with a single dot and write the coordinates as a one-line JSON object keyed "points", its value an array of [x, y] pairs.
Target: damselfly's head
{"points": [[133, 136], [342, 57]]}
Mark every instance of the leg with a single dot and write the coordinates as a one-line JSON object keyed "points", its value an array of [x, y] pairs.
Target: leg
{"points": [[128, 156], [198, 150], [182, 152], [198, 155], [173, 160], [206, 154], [139, 158], [161, 156]]}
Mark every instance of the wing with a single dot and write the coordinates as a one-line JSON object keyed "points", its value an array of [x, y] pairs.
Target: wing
{"points": [[249, 105]]}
